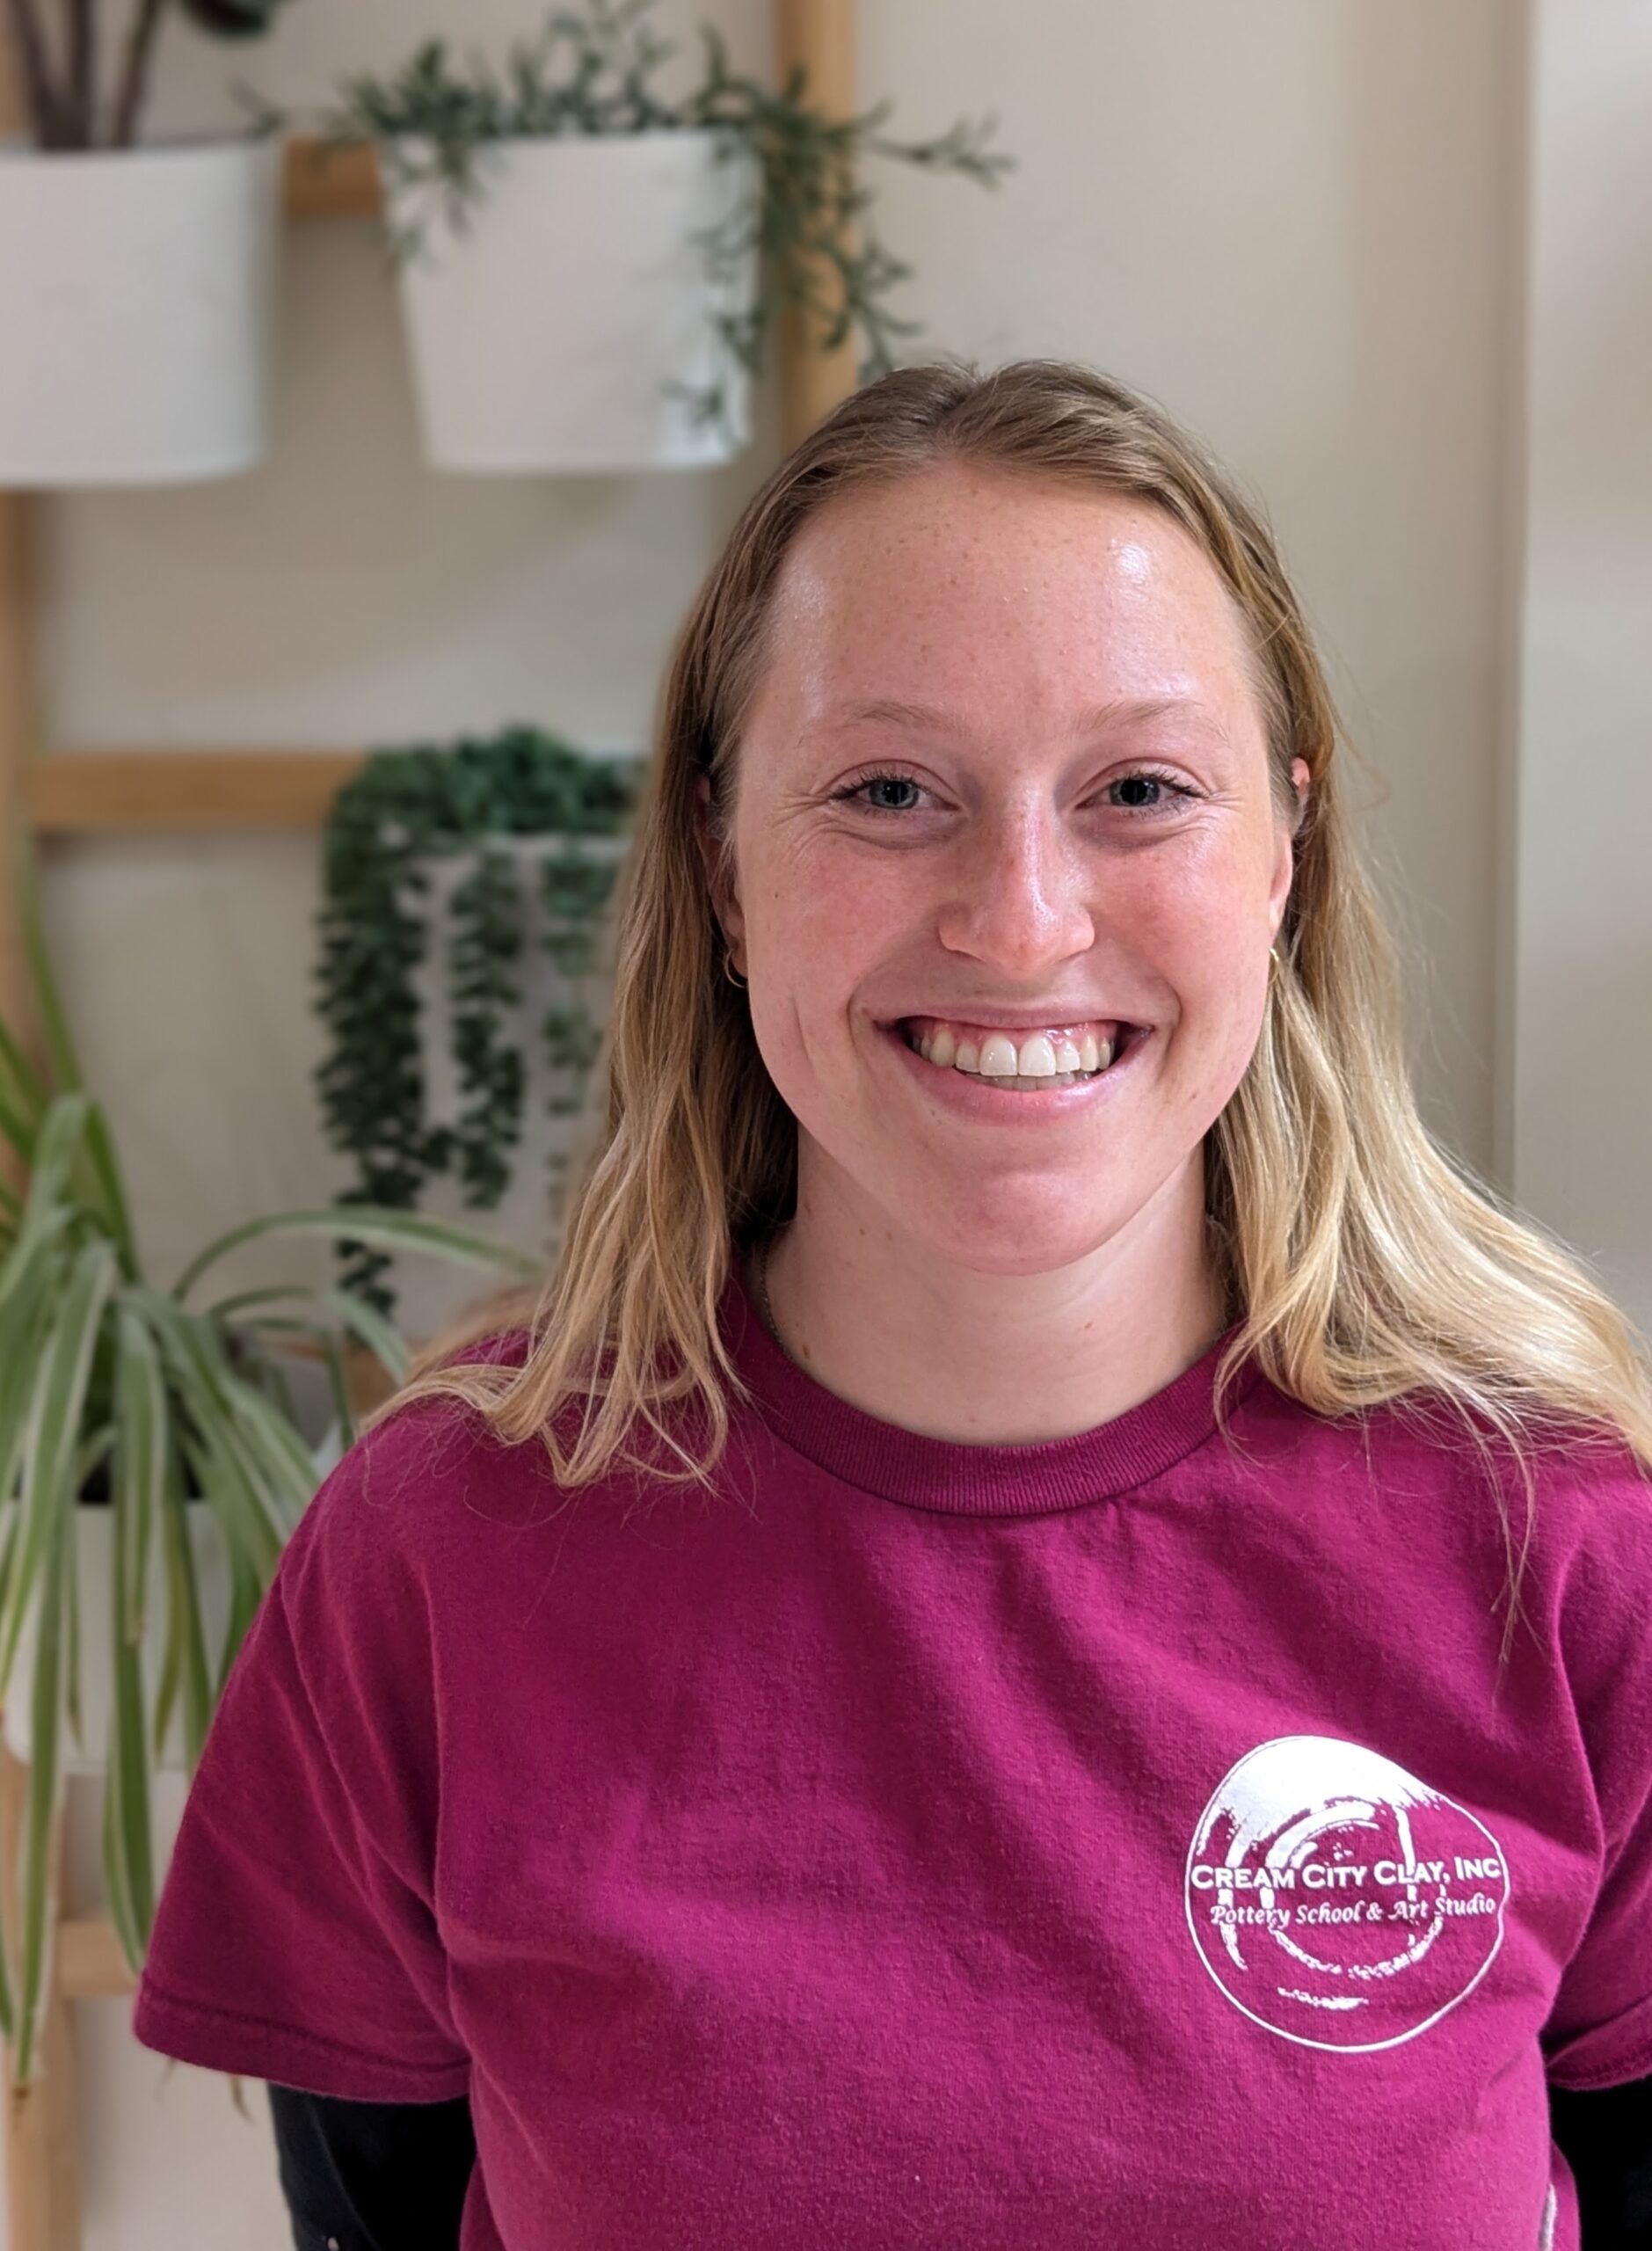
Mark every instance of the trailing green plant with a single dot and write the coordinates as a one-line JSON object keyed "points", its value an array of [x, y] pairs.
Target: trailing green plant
{"points": [[60, 103], [593, 69], [112, 1387], [406, 808]]}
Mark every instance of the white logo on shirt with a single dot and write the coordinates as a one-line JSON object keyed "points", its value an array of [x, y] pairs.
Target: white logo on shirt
{"points": [[1338, 1901]]}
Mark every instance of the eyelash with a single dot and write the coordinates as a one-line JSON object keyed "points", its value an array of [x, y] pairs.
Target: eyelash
{"points": [[892, 773]]}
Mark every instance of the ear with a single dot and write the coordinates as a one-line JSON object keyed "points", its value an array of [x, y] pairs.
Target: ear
{"points": [[722, 889], [1284, 854]]}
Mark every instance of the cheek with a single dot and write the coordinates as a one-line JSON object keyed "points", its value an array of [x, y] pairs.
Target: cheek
{"points": [[817, 933], [1202, 928], [1200, 914], [822, 919]]}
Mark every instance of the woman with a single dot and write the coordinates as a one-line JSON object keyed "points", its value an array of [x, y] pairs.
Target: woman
{"points": [[942, 1684]]}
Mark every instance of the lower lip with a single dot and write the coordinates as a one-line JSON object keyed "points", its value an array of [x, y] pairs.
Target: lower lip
{"points": [[967, 1092]]}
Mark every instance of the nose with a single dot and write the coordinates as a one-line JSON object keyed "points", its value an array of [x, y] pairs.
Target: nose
{"points": [[1018, 897]]}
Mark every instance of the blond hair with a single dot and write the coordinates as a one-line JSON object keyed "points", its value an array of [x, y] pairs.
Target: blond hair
{"points": [[1363, 1263]]}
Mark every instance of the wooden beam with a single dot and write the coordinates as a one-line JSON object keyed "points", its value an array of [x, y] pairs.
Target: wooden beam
{"points": [[330, 184], [17, 708], [191, 792], [16, 729], [42, 2123], [41, 2128], [819, 35], [90, 1963]]}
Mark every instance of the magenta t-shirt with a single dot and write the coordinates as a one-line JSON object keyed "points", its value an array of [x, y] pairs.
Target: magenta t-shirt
{"points": [[922, 1847]]}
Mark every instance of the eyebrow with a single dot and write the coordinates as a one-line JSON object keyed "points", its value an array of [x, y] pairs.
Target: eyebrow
{"points": [[891, 711]]}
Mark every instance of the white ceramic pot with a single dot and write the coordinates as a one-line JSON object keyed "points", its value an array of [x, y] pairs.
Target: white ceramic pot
{"points": [[546, 333], [137, 311], [94, 1527]]}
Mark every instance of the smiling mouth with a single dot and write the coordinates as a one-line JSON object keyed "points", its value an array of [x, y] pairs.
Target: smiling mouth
{"points": [[1030, 1062]]}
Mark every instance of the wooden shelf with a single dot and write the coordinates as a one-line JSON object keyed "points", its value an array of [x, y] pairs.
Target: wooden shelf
{"points": [[89, 1964], [330, 184], [189, 792]]}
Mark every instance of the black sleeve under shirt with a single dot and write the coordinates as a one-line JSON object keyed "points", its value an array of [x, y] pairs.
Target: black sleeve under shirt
{"points": [[1605, 2136], [372, 2177], [391, 2176]]}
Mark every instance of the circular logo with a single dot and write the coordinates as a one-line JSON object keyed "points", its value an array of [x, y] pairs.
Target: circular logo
{"points": [[1338, 1901]]}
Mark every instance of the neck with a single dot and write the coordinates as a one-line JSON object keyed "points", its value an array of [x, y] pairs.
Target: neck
{"points": [[913, 1338]]}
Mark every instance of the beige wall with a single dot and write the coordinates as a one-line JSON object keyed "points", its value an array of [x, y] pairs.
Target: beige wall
{"points": [[1580, 1060], [1296, 222]]}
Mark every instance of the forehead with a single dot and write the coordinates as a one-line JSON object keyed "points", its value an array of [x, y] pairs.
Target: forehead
{"points": [[978, 587]]}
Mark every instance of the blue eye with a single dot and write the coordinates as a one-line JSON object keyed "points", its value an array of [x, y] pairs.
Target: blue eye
{"points": [[1152, 792], [880, 780]]}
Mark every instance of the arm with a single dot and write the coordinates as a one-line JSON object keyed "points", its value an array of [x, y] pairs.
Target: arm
{"points": [[1605, 2136], [372, 2177]]}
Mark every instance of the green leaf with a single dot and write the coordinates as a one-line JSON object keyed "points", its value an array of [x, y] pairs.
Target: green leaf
{"points": [[184, 1667], [71, 1536], [32, 1283], [25, 1087], [36, 1253], [9, 1516], [295, 1325], [57, 1150], [341, 1406], [111, 1202], [139, 1495], [140, 1469], [274, 1449], [36, 1900], [260, 1436], [389, 1229], [364, 1322], [246, 1591], [59, 1046], [55, 1411], [233, 1479], [20, 1132]]}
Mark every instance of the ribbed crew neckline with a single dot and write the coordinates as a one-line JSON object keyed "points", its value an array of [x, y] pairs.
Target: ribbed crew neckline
{"points": [[961, 1479]]}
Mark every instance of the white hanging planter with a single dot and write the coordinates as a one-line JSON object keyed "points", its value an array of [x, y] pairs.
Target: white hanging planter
{"points": [[547, 332], [94, 1530], [137, 311]]}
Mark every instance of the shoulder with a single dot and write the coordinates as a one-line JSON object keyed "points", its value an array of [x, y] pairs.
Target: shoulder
{"points": [[1414, 1471], [1588, 1479], [408, 1497], [1577, 1502], [1597, 1497]]}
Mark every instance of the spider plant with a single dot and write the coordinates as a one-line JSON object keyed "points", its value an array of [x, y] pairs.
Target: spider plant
{"points": [[103, 1373]]}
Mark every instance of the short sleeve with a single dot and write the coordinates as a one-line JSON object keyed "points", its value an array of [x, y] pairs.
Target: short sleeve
{"points": [[1599, 2031], [296, 1938]]}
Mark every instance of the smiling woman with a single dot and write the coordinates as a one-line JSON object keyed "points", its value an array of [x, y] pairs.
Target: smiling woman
{"points": [[1091, 841], [1017, 1721]]}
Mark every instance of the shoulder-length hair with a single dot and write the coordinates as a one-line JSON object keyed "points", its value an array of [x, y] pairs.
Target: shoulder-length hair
{"points": [[1363, 1263]]}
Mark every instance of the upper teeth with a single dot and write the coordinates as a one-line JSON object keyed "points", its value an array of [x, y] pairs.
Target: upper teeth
{"points": [[1000, 1054]]}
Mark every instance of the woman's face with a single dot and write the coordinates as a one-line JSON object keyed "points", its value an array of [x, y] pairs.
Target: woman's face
{"points": [[1003, 785]]}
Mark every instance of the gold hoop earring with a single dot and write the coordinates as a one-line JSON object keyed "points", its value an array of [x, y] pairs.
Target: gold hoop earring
{"points": [[733, 974]]}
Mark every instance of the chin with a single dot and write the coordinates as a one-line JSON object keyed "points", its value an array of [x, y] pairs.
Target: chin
{"points": [[1013, 1233]]}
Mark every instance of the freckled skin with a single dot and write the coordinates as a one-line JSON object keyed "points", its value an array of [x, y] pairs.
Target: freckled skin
{"points": [[1018, 1279]]}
